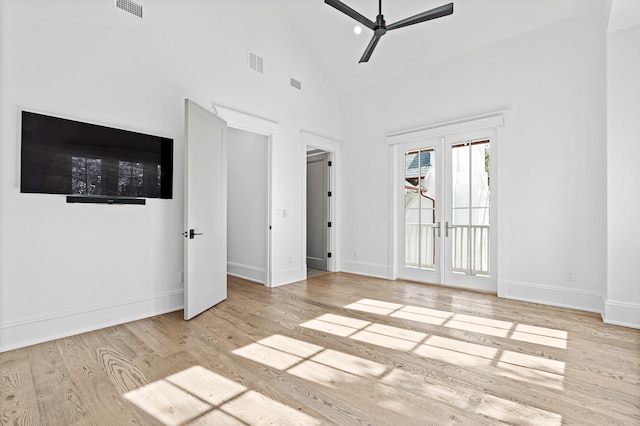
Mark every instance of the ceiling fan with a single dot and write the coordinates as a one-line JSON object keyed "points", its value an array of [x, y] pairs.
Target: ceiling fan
{"points": [[380, 27]]}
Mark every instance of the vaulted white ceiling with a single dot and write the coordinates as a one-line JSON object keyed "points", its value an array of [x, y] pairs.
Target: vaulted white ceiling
{"points": [[330, 37]]}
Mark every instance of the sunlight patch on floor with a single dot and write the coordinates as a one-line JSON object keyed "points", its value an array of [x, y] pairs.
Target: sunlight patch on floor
{"points": [[269, 356], [532, 369], [456, 352], [168, 403], [527, 368], [476, 324], [423, 315], [540, 336], [479, 325], [198, 396], [206, 385], [311, 362], [374, 306]]}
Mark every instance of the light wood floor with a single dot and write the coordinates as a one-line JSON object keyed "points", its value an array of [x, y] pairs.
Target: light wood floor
{"points": [[335, 349]]}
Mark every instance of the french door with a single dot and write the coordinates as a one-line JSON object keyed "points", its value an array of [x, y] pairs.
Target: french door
{"points": [[445, 209]]}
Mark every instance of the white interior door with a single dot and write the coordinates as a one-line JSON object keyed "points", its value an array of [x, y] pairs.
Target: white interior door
{"points": [[205, 242]]}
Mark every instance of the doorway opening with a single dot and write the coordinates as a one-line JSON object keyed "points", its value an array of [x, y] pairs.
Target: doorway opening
{"points": [[320, 202], [260, 134], [248, 205]]}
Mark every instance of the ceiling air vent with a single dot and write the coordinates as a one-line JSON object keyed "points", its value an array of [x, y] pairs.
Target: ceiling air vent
{"points": [[256, 63], [295, 83], [130, 6]]}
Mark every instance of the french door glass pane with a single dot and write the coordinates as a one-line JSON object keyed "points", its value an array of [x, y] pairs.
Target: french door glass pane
{"points": [[470, 188], [420, 205]]}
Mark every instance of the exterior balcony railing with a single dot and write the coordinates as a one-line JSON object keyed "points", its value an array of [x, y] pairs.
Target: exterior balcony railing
{"points": [[469, 247]]}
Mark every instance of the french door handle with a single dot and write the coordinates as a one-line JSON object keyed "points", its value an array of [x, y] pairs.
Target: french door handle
{"points": [[446, 229], [438, 228]]}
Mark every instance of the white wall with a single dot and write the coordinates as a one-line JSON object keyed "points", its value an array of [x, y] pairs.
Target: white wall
{"points": [[553, 177], [622, 305], [67, 268]]}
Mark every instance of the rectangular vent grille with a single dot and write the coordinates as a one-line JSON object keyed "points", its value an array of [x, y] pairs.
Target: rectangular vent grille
{"points": [[295, 83], [130, 6], [256, 63]]}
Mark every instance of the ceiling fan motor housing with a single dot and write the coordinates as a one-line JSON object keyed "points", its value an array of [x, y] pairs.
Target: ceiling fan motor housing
{"points": [[381, 27]]}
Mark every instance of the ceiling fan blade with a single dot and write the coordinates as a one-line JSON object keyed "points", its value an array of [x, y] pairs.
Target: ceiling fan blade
{"points": [[438, 12], [352, 13], [369, 50]]}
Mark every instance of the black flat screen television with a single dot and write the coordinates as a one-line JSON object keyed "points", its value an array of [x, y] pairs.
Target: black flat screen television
{"points": [[61, 156]]}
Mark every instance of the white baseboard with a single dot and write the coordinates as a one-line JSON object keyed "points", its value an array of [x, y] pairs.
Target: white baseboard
{"points": [[287, 276], [552, 295], [365, 268], [621, 313], [30, 331], [250, 273]]}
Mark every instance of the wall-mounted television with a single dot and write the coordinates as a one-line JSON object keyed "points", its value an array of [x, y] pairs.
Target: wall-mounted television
{"points": [[61, 156]]}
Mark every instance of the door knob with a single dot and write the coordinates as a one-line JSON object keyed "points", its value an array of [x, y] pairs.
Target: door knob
{"points": [[193, 233]]}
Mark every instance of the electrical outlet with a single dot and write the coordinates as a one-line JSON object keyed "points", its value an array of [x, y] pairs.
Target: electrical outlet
{"points": [[571, 276], [181, 276], [355, 253]]}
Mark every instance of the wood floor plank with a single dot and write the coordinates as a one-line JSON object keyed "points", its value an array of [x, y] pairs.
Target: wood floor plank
{"points": [[60, 401], [121, 370], [107, 404], [17, 395]]}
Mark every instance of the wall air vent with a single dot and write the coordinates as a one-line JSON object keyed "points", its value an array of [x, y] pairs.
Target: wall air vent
{"points": [[295, 83], [130, 6], [256, 63]]}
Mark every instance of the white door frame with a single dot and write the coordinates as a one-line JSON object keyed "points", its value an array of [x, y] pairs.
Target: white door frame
{"points": [[334, 148], [496, 121], [251, 123]]}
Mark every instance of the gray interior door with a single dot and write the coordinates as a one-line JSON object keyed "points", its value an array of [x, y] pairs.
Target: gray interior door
{"points": [[317, 210]]}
